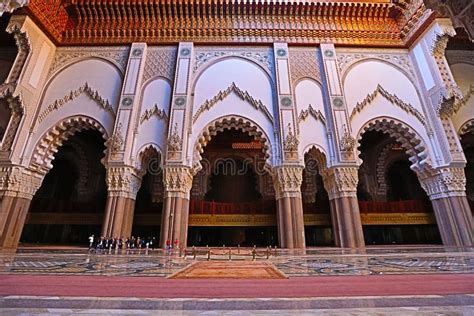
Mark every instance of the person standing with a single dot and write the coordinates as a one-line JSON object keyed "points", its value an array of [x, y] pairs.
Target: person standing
{"points": [[91, 241]]}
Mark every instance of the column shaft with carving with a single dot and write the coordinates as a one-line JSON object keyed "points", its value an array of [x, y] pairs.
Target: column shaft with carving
{"points": [[341, 185], [174, 222], [123, 184], [17, 188], [446, 189], [287, 181]]}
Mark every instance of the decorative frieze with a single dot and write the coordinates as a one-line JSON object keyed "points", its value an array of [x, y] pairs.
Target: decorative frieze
{"points": [[123, 181], [19, 182], [287, 180], [304, 63], [392, 98], [155, 111], [243, 95], [74, 94], [444, 182]]}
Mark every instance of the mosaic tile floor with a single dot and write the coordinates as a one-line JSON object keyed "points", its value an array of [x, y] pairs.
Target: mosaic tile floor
{"points": [[312, 262]]}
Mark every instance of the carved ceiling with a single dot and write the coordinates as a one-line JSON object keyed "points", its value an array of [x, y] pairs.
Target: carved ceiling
{"points": [[365, 23]]}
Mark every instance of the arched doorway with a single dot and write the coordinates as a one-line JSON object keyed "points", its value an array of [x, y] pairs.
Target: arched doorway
{"points": [[394, 208], [149, 201], [316, 206], [231, 203], [69, 205]]}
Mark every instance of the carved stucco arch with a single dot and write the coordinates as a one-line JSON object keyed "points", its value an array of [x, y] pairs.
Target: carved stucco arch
{"points": [[347, 69], [147, 152], [48, 145], [409, 139], [225, 123], [201, 70], [23, 43], [76, 60]]}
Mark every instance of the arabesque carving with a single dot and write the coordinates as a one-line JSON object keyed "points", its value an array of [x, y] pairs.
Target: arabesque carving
{"points": [[178, 181], [316, 114], [341, 181], [74, 94], [287, 180], [17, 109], [123, 181], [392, 98], [444, 182], [154, 111], [20, 182], [221, 95]]}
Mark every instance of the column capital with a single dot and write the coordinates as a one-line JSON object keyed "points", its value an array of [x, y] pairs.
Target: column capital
{"points": [[287, 180], [341, 181], [17, 181], [123, 181], [444, 182], [178, 181]]}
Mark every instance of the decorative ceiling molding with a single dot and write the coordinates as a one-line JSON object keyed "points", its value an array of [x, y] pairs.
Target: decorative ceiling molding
{"points": [[316, 114], [381, 23], [221, 95], [93, 94], [392, 98], [154, 111]]}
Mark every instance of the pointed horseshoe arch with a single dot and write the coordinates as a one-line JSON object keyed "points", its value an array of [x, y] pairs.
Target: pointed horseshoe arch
{"points": [[48, 145], [229, 122]]}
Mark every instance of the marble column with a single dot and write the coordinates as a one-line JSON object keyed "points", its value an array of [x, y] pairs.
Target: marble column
{"points": [[287, 181], [446, 188], [17, 188], [123, 184], [174, 223], [341, 185]]}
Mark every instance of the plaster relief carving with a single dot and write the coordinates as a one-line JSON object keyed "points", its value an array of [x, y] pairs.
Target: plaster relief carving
{"points": [[451, 105], [154, 111], [262, 58], [175, 143], [178, 181], [160, 62], [316, 114], [287, 181], [72, 95], [346, 60], [115, 142], [341, 182], [123, 181], [444, 182], [24, 48], [290, 144], [347, 142], [392, 98], [221, 95], [19, 182], [304, 63], [66, 55]]}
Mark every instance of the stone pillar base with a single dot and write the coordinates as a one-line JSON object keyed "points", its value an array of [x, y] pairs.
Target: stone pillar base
{"points": [[454, 218], [346, 223], [13, 211], [118, 220]]}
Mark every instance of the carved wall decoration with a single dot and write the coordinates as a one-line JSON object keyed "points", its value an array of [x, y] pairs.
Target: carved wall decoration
{"points": [[262, 56], [444, 182], [316, 114], [48, 145], [19, 182], [17, 109], [178, 180], [392, 99], [290, 144], [451, 105], [221, 95], [123, 181], [345, 60], [304, 63], [341, 182], [154, 111], [175, 142], [347, 142], [67, 55], [74, 94], [287, 181], [10, 5], [115, 142], [160, 62]]}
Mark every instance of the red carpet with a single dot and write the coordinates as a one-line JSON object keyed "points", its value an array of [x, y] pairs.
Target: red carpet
{"points": [[154, 287]]}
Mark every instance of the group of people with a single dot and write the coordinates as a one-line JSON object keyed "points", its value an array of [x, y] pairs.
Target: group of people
{"points": [[115, 243]]}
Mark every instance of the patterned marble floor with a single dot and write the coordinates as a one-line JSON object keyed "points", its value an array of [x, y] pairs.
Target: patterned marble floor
{"points": [[312, 262]]}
